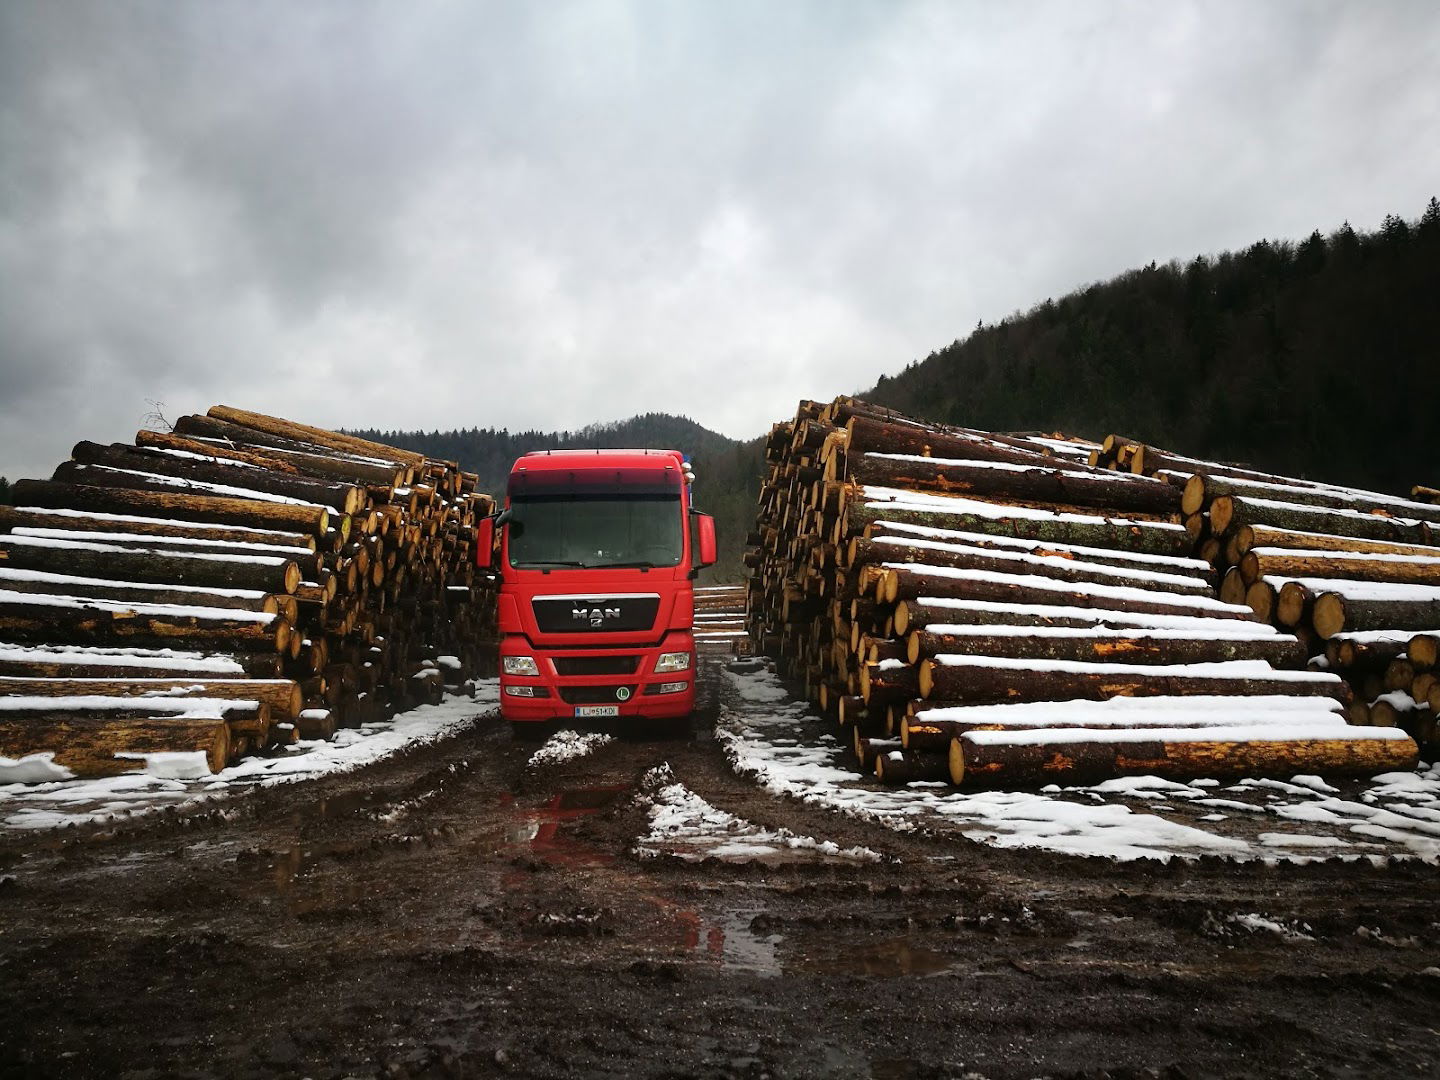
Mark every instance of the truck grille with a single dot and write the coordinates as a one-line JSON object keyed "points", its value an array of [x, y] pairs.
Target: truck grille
{"points": [[596, 665], [594, 695], [597, 613]]}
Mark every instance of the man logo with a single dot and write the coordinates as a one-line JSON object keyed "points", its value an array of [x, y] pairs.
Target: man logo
{"points": [[622, 693], [595, 616]]}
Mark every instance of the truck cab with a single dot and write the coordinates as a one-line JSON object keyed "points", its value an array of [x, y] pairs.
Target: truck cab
{"points": [[597, 551]]}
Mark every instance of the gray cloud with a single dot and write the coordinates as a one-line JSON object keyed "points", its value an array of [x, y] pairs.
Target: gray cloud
{"points": [[508, 214]]}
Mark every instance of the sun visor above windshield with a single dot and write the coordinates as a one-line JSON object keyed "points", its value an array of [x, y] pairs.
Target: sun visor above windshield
{"points": [[550, 483]]}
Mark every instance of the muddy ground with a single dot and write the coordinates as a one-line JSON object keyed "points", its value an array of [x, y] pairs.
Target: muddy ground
{"points": [[451, 913]]}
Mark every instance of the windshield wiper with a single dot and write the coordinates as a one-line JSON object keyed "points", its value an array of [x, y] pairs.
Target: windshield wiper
{"points": [[645, 564], [535, 563]]}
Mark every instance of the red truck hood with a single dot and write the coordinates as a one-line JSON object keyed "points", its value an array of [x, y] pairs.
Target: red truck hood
{"points": [[596, 607]]}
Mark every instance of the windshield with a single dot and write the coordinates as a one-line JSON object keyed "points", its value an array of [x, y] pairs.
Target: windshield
{"points": [[595, 530]]}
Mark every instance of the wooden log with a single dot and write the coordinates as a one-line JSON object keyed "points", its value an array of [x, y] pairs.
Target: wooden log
{"points": [[1349, 605], [1131, 560], [906, 583], [1260, 598], [868, 749], [1352, 566], [1101, 646], [344, 498], [912, 614], [37, 581], [1246, 538], [931, 726], [1201, 490], [100, 622], [986, 679], [14, 518], [1123, 534], [268, 574], [1061, 568], [897, 767], [888, 681], [1032, 758], [1117, 493], [1229, 511], [350, 444], [308, 560], [314, 520], [281, 696], [297, 463], [865, 434], [1424, 650], [91, 747], [67, 661]]}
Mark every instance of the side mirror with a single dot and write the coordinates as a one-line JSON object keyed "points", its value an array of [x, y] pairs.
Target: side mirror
{"points": [[705, 541], [485, 543]]}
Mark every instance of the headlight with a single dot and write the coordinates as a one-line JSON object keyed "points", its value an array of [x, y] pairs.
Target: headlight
{"points": [[526, 690], [672, 661], [670, 687], [521, 665]]}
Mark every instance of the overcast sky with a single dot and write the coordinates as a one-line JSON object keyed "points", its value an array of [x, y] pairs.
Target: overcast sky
{"points": [[442, 214]]}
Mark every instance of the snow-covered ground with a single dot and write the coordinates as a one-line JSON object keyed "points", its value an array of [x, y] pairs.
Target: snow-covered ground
{"points": [[685, 826], [786, 748], [566, 746], [68, 802]]}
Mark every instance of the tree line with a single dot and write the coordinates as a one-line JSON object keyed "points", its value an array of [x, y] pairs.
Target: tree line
{"points": [[1314, 358], [727, 471]]}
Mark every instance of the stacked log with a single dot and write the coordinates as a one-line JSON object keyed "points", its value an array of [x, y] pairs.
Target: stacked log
{"points": [[231, 587], [1355, 574], [907, 572]]}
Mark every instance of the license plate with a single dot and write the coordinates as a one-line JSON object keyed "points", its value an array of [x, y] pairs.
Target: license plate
{"points": [[597, 710]]}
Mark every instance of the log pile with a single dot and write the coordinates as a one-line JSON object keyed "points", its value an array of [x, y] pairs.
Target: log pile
{"points": [[1354, 574], [231, 586], [1003, 609]]}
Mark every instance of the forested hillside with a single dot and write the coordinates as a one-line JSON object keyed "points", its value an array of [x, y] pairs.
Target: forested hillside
{"points": [[727, 472], [1316, 358]]}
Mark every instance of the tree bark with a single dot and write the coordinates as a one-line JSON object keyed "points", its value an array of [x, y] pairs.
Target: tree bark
{"points": [[12, 518], [1149, 647], [88, 747], [41, 583], [252, 513], [866, 435], [903, 583], [1059, 567], [1149, 537], [82, 625], [895, 768], [333, 440], [42, 663], [1230, 511], [345, 498], [112, 563], [1115, 493], [282, 696], [330, 469], [1360, 751], [1201, 489], [880, 684], [1272, 562], [971, 684], [1124, 560], [1339, 608]]}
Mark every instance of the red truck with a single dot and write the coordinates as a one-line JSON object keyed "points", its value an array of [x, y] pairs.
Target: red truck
{"points": [[597, 551]]}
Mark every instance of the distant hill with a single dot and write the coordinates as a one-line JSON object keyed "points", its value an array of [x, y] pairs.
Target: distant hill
{"points": [[727, 472], [1315, 358]]}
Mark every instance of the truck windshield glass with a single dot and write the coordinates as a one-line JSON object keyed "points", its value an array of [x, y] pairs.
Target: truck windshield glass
{"points": [[594, 530]]}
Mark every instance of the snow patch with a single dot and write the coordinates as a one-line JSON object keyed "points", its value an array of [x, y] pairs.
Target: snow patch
{"points": [[567, 746]]}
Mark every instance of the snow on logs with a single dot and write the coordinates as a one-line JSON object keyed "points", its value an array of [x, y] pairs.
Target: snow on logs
{"points": [[229, 587], [908, 572], [1355, 574]]}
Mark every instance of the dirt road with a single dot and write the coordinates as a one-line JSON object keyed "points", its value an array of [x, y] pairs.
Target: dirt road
{"points": [[453, 912]]}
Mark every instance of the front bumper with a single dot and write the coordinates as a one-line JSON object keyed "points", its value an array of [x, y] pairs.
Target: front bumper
{"points": [[629, 693]]}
